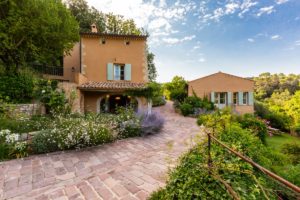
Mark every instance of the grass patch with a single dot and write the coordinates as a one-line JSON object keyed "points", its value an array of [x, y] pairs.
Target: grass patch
{"points": [[276, 142]]}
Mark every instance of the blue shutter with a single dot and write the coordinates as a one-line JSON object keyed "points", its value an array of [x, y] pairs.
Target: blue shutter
{"points": [[229, 98], [212, 97], [110, 71], [251, 99], [128, 72], [240, 98]]}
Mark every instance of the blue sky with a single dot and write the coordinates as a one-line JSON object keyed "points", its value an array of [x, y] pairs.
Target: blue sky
{"points": [[196, 38]]}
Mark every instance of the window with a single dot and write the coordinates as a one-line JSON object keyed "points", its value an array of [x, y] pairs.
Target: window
{"points": [[235, 98], [222, 98], [119, 72], [245, 98], [216, 98]]}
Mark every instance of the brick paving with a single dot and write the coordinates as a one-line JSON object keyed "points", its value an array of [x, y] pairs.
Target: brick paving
{"points": [[126, 169]]}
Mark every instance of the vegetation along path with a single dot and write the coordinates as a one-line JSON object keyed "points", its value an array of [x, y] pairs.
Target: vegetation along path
{"points": [[126, 169]]}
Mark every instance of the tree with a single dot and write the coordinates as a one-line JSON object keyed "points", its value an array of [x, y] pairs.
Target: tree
{"points": [[266, 84], [152, 73], [293, 108], [177, 88], [35, 31], [106, 23]]}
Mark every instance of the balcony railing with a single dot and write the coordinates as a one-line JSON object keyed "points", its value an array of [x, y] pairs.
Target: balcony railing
{"points": [[49, 70]]}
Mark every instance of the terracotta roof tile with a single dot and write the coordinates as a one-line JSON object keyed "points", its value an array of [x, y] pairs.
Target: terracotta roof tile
{"points": [[122, 85]]}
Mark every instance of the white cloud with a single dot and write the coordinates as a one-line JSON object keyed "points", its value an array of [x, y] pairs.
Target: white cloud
{"points": [[172, 41], [231, 8], [297, 43], [196, 47], [246, 6], [156, 16], [281, 1], [217, 14], [275, 37], [265, 10], [201, 60], [251, 40]]}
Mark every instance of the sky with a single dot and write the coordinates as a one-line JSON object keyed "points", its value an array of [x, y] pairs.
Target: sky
{"points": [[194, 38]]}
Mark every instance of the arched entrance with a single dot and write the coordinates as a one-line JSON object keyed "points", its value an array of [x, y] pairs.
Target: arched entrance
{"points": [[110, 103]]}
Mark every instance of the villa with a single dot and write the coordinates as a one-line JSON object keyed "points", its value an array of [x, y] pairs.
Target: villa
{"points": [[103, 67], [225, 90]]}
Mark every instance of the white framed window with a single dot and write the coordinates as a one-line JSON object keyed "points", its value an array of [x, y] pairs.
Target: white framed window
{"points": [[220, 98], [216, 98], [245, 98], [119, 72], [235, 98]]}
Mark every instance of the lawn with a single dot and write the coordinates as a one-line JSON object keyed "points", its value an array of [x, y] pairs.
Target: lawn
{"points": [[276, 142]]}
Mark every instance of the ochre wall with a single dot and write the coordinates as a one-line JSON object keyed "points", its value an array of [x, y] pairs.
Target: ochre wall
{"points": [[72, 60], [96, 55], [91, 101], [242, 109], [219, 82]]}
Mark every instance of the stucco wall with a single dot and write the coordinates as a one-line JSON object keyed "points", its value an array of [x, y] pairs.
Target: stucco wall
{"points": [[91, 101], [72, 60], [244, 109], [96, 55], [221, 82]]}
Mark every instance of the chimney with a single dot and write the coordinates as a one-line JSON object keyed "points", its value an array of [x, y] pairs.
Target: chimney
{"points": [[94, 28]]}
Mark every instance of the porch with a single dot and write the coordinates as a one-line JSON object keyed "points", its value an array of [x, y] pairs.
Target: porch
{"points": [[239, 101], [106, 97]]}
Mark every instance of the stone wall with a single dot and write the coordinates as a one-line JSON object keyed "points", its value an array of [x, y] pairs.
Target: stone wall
{"points": [[70, 89], [27, 109]]}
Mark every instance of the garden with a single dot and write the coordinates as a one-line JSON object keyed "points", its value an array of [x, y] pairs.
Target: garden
{"points": [[229, 177], [59, 128], [192, 106]]}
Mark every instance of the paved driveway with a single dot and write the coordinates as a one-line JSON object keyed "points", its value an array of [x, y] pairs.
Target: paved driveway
{"points": [[127, 169]]}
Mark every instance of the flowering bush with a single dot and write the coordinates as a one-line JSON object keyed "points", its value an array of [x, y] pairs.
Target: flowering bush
{"points": [[71, 133], [75, 132], [152, 123], [10, 146], [128, 123]]}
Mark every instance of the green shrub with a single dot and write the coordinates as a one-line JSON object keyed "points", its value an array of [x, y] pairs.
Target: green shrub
{"points": [[277, 121], [10, 145], [74, 132], [54, 99], [191, 180], [17, 87], [25, 125], [128, 123], [186, 109], [255, 125], [293, 150], [158, 101], [4, 151], [291, 173], [44, 142], [71, 133], [297, 130]]}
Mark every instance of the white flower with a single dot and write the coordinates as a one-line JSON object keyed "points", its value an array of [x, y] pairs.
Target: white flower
{"points": [[12, 138]]}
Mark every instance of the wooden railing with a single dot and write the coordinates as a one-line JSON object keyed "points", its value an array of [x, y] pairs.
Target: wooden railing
{"points": [[295, 189]]}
